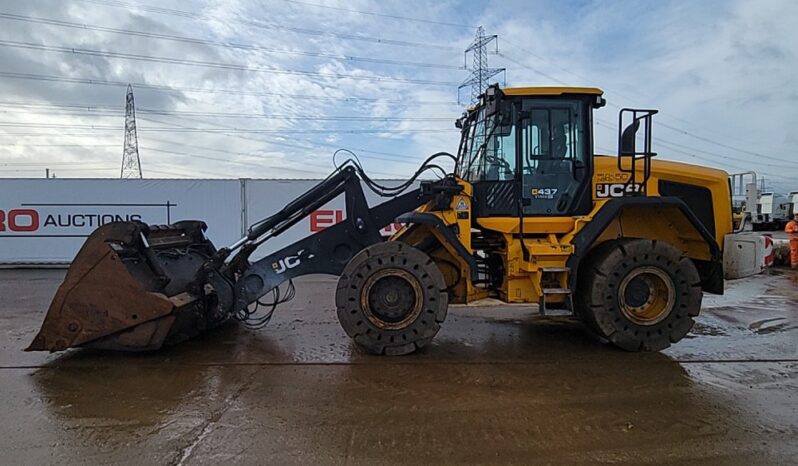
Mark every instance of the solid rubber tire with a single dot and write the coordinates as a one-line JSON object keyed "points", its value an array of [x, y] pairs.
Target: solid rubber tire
{"points": [[416, 333], [597, 295]]}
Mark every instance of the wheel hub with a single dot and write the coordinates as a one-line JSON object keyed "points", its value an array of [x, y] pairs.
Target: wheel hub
{"points": [[646, 295], [391, 298]]}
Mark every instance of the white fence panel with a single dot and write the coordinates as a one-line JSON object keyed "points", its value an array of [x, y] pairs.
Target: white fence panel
{"points": [[47, 220]]}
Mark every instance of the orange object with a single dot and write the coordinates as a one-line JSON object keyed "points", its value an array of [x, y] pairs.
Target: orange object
{"points": [[792, 229]]}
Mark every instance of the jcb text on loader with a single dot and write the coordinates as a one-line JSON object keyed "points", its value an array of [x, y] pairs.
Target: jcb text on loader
{"points": [[530, 215]]}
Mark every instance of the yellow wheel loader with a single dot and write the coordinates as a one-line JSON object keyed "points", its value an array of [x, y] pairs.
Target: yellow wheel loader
{"points": [[530, 215]]}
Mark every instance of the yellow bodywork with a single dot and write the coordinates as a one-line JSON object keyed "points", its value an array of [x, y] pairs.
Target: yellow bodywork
{"points": [[551, 90], [548, 240], [541, 261]]}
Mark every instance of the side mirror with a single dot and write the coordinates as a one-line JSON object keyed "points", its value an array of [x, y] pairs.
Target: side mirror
{"points": [[458, 123]]}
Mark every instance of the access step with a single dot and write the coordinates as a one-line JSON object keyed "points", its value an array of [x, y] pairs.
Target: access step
{"points": [[555, 269], [567, 308], [556, 291]]}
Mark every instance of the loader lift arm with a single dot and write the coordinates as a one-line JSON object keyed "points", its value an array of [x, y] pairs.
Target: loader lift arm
{"points": [[325, 252]]}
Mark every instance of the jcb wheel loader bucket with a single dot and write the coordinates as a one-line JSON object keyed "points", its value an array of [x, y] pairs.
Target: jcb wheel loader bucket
{"points": [[127, 289]]}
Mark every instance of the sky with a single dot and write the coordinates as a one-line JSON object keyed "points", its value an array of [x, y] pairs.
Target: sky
{"points": [[271, 88]]}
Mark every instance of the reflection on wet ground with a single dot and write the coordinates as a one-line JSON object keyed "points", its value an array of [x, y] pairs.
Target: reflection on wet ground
{"points": [[499, 385]]}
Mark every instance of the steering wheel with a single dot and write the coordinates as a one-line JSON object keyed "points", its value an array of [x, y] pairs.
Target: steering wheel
{"points": [[503, 164]]}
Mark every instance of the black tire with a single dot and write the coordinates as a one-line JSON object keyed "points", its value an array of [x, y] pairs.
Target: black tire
{"points": [[391, 298], [641, 295]]}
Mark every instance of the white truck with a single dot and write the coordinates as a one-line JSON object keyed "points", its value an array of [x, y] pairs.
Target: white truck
{"points": [[772, 212], [792, 201]]}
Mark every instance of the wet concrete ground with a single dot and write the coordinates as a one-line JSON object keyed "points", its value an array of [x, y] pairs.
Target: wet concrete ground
{"points": [[498, 385]]}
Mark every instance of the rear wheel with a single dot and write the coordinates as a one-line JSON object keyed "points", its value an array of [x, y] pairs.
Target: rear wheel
{"points": [[391, 298], [641, 295]]}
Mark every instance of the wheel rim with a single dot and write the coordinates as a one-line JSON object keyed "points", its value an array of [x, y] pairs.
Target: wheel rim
{"points": [[391, 298], [646, 295]]}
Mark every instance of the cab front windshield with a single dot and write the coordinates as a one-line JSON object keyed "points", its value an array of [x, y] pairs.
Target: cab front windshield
{"points": [[473, 148], [551, 130]]}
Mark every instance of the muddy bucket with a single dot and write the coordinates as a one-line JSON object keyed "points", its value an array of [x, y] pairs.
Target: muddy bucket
{"points": [[131, 288]]}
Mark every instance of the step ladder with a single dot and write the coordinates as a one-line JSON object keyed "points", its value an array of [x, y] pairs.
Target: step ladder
{"points": [[564, 308]]}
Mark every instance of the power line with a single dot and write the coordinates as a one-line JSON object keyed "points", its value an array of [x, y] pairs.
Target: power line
{"points": [[664, 125], [524, 65], [59, 145], [269, 26], [577, 75], [48, 164], [598, 122], [674, 147], [206, 64], [715, 154], [226, 161], [51, 135], [279, 143], [363, 153], [110, 110], [529, 52], [787, 163], [215, 130], [28, 170], [85, 167], [739, 167], [261, 166], [215, 43], [165, 88], [720, 144], [90, 169], [382, 15]]}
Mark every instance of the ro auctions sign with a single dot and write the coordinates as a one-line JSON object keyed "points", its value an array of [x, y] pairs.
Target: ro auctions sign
{"points": [[46, 220], [76, 219]]}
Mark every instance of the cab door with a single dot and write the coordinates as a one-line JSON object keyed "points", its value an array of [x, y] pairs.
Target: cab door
{"points": [[554, 157], [493, 171]]}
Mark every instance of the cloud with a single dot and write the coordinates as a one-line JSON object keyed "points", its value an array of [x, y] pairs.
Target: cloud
{"points": [[721, 70]]}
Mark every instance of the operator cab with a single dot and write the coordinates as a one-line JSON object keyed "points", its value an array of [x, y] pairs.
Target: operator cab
{"points": [[529, 151]]}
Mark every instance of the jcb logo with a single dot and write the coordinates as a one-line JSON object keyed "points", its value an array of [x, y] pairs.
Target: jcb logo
{"points": [[289, 262], [19, 220], [616, 189]]}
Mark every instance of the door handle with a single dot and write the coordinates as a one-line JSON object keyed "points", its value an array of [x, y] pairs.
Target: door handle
{"points": [[562, 204]]}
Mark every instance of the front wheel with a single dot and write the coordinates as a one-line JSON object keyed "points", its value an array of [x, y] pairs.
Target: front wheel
{"points": [[641, 295], [391, 298]]}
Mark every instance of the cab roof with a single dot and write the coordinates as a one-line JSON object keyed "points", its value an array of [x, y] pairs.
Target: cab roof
{"points": [[551, 90]]}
